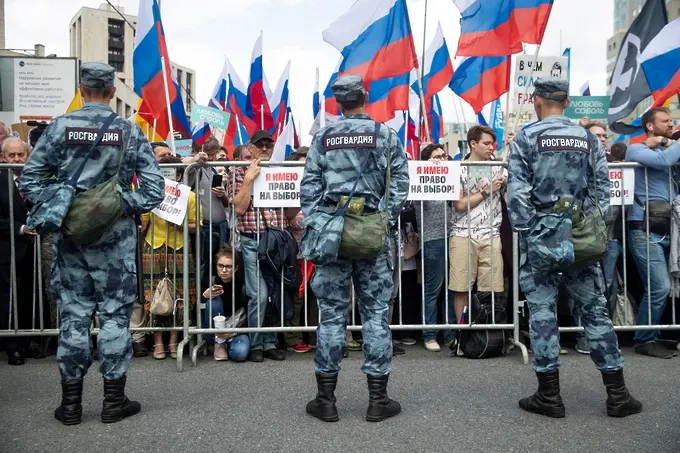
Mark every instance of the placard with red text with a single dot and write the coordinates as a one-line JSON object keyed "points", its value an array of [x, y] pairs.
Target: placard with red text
{"points": [[622, 182], [278, 187], [434, 180]]}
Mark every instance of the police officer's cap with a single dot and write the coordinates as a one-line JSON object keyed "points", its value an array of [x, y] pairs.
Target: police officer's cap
{"points": [[97, 75], [551, 88], [348, 88]]}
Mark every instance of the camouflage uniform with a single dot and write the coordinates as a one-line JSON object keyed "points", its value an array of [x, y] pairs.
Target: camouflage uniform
{"points": [[534, 187], [100, 276], [329, 175]]}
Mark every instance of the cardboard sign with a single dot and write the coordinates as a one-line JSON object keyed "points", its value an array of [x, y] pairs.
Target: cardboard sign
{"points": [[183, 147], [278, 187], [594, 107], [214, 117], [622, 181], [173, 209], [545, 67], [434, 180]]}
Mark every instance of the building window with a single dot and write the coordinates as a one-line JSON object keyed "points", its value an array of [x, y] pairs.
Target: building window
{"points": [[119, 107]]}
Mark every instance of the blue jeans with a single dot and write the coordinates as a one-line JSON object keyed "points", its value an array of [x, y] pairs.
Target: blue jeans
{"points": [[433, 280], [237, 347], [609, 261], [659, 281], [256, 290]]}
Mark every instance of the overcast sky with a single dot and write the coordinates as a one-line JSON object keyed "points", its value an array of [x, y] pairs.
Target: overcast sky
{"points": [[201, 32]]}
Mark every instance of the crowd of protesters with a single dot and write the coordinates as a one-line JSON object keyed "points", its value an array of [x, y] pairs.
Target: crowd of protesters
{"points": [[225, 278]]}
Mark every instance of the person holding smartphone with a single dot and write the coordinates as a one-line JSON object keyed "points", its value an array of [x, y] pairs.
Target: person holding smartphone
{"points": [[218, 301]]}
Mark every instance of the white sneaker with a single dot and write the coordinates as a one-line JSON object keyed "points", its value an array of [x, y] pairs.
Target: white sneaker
{"points": [[433, 346]]}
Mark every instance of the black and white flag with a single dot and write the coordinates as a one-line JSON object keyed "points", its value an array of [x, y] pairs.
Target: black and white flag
{"points": [[628, 83]]}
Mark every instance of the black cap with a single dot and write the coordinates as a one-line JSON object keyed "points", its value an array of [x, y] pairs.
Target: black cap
{"points": [[261, 135]]}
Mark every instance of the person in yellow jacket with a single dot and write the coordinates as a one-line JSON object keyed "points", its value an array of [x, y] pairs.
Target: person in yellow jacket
{"points": [[164, 255]]}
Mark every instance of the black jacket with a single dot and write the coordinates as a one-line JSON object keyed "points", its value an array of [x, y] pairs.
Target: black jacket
{"points": [[277, 254], [22, 242]]}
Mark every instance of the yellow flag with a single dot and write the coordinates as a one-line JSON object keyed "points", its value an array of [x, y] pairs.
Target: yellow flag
{"points": [[76, 103], [148, 130]]}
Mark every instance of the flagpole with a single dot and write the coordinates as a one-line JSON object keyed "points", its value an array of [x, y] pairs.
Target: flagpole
{"points": [[155, 121], [167, 102], [238, 129], [423, 110], [506, 129], [524, 95], [322, 110], [262, 115]]}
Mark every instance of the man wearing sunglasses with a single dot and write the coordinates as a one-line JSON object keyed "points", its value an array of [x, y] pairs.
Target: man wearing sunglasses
{"points": [[250, 224]]}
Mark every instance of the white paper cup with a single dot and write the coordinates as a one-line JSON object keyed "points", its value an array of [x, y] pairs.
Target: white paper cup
{"points": [[220, 322]]}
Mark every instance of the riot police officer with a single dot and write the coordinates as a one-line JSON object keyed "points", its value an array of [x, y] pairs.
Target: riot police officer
{"points": [[99, 276], [334, 163], [535, 188]]}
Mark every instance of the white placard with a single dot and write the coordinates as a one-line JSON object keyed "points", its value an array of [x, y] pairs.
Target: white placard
{"points": [[545, 67], [434, 180], [36, 86], [173, 209], [616, 175], [278, 187]]}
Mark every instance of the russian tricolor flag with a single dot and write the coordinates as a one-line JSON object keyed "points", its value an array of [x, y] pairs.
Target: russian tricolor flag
{"points": [[200, 133], [498, 27], [437, 68], [149, 47], [279, 105], [257, 104], [436, 120], [661, 63], [218, 98], [316, 99], [285, 143], [585, 89], [531, 18], [480, 80], [487, 28], [375, 39], [386, 96], [240, 126], [638, 137]]}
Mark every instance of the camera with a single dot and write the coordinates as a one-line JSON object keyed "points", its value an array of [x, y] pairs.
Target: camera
{"points": [[38, 127]]}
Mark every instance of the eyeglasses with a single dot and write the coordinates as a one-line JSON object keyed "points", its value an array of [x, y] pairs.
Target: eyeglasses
{"points": [[265, 145], [225, 267]]}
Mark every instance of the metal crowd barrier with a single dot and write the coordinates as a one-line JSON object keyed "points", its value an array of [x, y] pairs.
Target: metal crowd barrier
{"points": [[193, 334]]}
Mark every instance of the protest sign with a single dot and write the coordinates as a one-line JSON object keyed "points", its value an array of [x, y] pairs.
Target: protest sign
{"points": [[594, 107], [545, 67], [434, 180], [278, 187], [622, 181], [183, 147], [169, 173], [173, 209], [215, 117]]}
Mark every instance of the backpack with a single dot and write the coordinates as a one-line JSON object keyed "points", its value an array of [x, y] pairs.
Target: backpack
{"points": [[483, 344]]}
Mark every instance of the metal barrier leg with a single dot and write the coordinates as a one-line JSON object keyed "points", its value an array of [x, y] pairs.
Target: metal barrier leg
{"points": [[515, 299], [202, 345], [180, 353]]}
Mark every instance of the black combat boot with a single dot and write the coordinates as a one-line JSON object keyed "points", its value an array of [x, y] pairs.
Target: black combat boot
{"points": [[71, 408], [619, 403], [116, 405], [323, 406], [380, 407], [547, 400]]}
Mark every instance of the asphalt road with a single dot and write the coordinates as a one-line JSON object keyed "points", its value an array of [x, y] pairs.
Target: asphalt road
{"points": [[449, 405]]}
